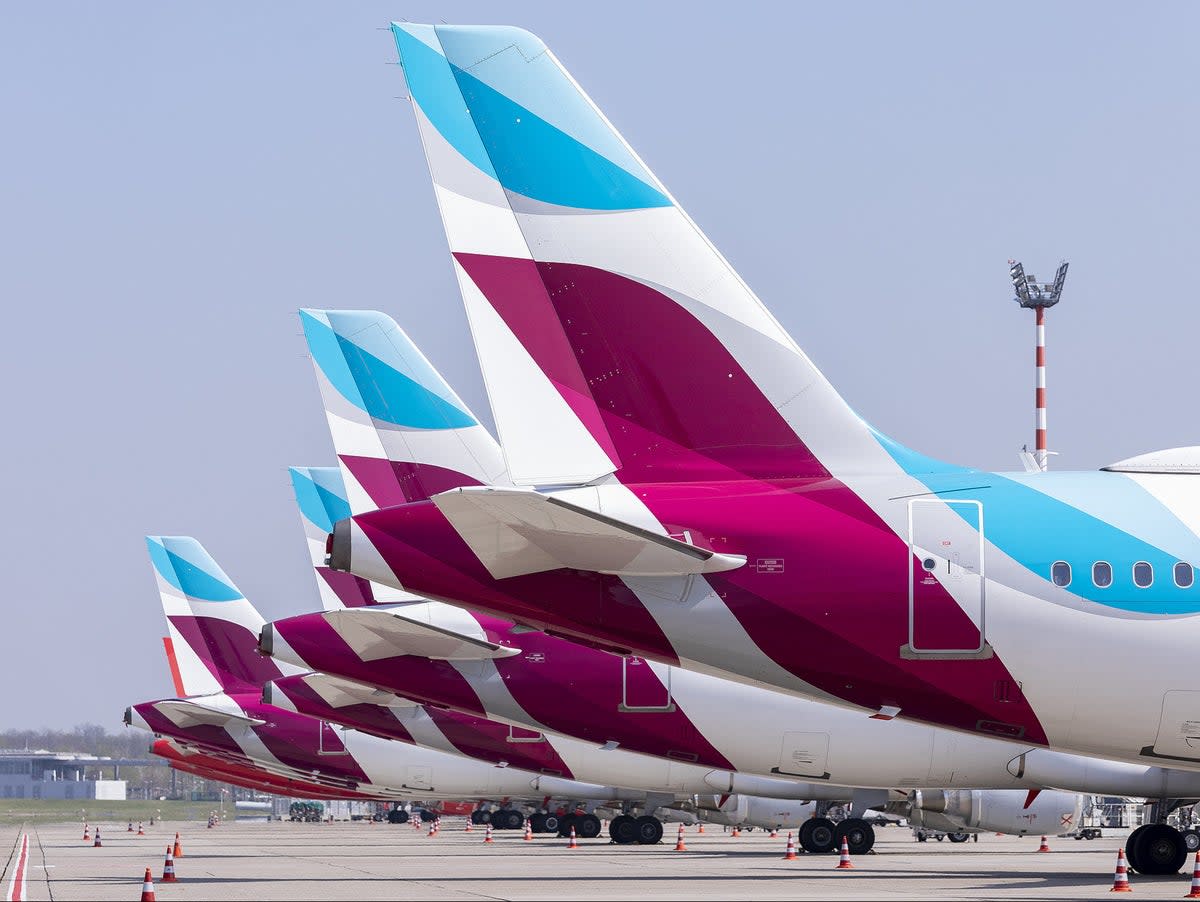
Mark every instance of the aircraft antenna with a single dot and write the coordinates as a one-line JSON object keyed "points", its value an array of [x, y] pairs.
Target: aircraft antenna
{"points": [[1037, 296]]}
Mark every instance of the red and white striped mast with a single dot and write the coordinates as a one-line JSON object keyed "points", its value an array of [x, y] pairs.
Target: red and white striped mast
{"points": [[1037, 296]]}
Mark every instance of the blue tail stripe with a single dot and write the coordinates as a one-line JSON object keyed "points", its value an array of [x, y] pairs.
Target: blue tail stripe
{"points": [[318, 505], [191, 579]]}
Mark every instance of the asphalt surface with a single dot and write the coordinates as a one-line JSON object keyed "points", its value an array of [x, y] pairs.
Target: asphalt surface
{"points": [[262, 861]]}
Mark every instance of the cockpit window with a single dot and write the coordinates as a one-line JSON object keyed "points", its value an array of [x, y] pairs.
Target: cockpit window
{"points": [[1143, 575], [1060, 573], [1102, 574], [1183, 575]]}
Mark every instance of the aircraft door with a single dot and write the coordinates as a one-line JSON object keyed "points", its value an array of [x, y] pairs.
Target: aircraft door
{"points": [[946, 581], [1179, 727], [804, 755]]}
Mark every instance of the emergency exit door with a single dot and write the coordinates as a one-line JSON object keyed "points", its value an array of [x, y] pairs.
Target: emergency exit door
{"points": [[947, 587]]}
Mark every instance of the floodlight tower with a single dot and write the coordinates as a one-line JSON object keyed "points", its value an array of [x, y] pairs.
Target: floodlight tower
{"points": [[1037, 296]]}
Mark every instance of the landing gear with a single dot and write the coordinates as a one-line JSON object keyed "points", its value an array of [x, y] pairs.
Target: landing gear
{"points": [[508, 819], [622, 829], [958, 837], [649, 830], [859, 835], [479, 817], [427, 816], [551, 823], [587, 826], [818, 834], [1156, 849], [397, 816]]}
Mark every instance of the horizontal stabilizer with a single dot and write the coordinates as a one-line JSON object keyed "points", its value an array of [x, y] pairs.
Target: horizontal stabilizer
{"points": [[515, 531], [338, 692], [429, 630], [185, 714]]}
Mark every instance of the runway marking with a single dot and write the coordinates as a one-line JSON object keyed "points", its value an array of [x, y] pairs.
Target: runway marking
{"points": [[16, 884]]}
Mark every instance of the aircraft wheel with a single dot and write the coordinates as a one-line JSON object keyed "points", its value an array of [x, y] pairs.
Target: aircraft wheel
{"points": [[587, 826], [623, 829], [550, 823], [1132, 847], [958, 837], [565, 823], [818, 834], [1191, 840], [537, 823], [511, 819], [860, 836], [397, 816], [649, 830], [1159, 849]]}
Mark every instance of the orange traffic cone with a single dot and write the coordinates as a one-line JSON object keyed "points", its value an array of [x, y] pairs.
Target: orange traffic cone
{"points": [[487, 835], [679, 846], [528, 830], [844, 861], [87, 836], [1045, 846], [168, 868], [1195, 893], [469, 829], [736, 830], [1121, 877], [774, 833], [432, 828], [147, 887], [140, 832], [573, 844], [178, 850], [701, 828], [791, 848], [97, 843], [129, 829]]}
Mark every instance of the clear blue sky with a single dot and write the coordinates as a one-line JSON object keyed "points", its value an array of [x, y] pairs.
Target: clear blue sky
{"points": [[178, 179]]}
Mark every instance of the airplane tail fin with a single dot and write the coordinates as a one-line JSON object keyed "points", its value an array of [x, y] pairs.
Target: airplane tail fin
{"points": [[612, 334], [400, 432], [321, 497], [213, 629]]}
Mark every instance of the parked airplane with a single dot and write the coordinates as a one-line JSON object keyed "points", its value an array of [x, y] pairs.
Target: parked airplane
{"points": [[213, 631], [552, 684], [729, 510]]}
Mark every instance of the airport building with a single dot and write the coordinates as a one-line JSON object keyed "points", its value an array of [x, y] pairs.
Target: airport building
{"points": [[28, 774]]}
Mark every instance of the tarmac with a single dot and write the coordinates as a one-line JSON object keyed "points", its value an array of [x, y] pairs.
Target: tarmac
{"points": [[360, 860]]}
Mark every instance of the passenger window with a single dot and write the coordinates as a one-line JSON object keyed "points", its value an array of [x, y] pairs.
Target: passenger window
{"points": [[1102, 574], [1143, 574], [1060, 573], [1183, 575]]}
